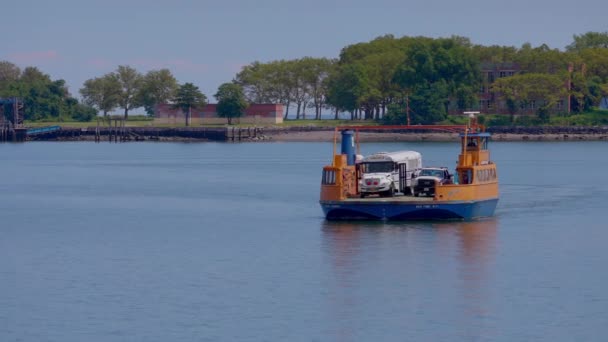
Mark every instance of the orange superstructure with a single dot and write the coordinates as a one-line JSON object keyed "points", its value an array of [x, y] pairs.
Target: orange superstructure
{"points": [[477, 174], [339, 180]]}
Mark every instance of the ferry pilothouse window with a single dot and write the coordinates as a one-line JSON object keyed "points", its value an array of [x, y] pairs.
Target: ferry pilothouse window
{"points": [[471, 143], [329, 177], [377, 167]]}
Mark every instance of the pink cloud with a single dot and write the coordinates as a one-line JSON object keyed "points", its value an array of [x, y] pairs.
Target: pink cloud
{"points": [[34, 56]]}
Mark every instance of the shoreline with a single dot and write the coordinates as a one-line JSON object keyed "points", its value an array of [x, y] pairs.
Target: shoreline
{"points": [[311, 134], [328, 136]]}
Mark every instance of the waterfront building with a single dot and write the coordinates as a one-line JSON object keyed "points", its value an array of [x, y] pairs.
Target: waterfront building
{"points": [[257, 113]]}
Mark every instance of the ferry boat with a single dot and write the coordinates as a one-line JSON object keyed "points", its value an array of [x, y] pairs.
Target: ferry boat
{"points": [[472, 195]]}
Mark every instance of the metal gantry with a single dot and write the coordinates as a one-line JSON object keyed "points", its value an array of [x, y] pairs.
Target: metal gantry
{"points": [[11, 119]]}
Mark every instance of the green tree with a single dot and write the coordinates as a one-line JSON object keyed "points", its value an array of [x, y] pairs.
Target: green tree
{"points": [[346, 88], [82, 112], [314, 73], [43, 98], [9, 74], [231, 101], [102, 92], [299, 90], [158, 86], [594, 63], [589, 40], [39, 101], [130, 83], [541, 59], [545, 90], [377, 61], [495, 53], [282, 84], [188, 96], [271, 82], [256, 82], [436, 70]]}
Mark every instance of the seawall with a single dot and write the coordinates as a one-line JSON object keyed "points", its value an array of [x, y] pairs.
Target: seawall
{"points": [[309, 133]]}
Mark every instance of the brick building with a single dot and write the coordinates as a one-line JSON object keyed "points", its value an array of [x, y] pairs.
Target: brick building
{"points": [[490, 102], [256, 114]]}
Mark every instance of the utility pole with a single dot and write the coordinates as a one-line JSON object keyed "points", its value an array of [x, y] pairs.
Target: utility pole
{"points": [[407, 108], [569, 85]]}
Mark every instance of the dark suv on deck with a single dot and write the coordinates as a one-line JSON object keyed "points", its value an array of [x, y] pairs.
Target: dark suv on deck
{"points": [[427, 177]]}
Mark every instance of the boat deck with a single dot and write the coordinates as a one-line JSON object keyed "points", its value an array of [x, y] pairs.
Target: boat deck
{"points": [[396, 198]]}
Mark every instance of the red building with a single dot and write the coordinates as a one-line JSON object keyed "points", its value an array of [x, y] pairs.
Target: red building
{"points": [[256, 113]]}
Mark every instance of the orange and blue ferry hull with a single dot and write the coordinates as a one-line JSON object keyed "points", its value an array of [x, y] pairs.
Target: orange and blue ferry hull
{"points": [[417, 210]]}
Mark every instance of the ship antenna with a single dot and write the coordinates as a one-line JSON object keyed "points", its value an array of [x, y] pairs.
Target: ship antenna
{"points": [[472, 120], [466, 131]]}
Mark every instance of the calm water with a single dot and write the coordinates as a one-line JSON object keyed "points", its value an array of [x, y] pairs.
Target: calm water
{"points": [[226, 242]]}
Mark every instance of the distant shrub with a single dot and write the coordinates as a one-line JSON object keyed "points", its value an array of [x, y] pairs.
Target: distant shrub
{"points": [[140, 118], [455, 120], [528, 121], [593, 118], [499, 120], [83, 113]]}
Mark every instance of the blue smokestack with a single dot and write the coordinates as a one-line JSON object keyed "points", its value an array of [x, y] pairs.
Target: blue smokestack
{"points": [[348, 146]]}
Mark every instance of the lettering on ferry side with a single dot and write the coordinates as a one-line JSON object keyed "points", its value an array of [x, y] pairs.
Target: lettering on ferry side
{"points": [[427, 206], [453, 192]]}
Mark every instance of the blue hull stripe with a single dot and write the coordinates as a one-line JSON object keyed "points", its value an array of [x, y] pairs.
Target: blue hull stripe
{"points": [[459, 210]]}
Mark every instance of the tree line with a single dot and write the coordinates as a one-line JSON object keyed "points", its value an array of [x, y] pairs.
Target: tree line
{"points": [[389, 78], [386, 78], [43, 97], [124, 88]]}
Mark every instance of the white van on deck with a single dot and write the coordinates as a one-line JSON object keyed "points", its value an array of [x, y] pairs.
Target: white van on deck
{"points": [[387, 173]]}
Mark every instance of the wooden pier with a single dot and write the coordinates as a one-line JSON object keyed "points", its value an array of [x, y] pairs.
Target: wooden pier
{"points": [[243, 133], [4, 131], [116, 130]]}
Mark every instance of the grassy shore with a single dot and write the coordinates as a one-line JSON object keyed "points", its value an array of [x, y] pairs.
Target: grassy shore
{"points": [[575, 127], [150, 123], [593, 118]]}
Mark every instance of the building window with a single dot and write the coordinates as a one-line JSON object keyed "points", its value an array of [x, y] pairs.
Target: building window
{"points": [[560, 104], [490, 77], [490, 104], [502, 74], [510, 73], [482, 89], [532, 104]]}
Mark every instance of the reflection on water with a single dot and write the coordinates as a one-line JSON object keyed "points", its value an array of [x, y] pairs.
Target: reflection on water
{"points": [[421, 262], [477, 241]]}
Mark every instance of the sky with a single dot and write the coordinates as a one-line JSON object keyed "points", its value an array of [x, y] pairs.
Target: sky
{"points": [[207, 42]]}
